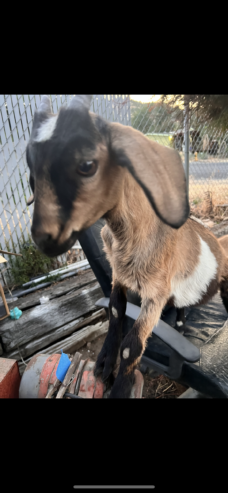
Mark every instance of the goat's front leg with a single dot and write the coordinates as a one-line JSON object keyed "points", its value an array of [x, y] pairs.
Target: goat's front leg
{"points": [[117, 307], [134, 345], [180, 320]]}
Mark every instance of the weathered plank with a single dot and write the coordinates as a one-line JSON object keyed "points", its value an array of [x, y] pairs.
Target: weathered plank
{"points": [[52, 388], [55, 291], [75, 362], [40, 343], [71, 388], [72, 343], [42, 319], [76, 341], [82, 369]]}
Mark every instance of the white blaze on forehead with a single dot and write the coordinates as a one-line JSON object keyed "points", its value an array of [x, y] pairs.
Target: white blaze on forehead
{"points": [[189, 291], [179, 324], [46, 130]]}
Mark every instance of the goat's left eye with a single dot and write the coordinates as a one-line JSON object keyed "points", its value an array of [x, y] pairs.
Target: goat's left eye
{"points": [[88, 168]]}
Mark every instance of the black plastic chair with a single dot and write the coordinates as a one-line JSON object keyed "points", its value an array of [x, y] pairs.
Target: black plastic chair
{"points": [[199, 358]]}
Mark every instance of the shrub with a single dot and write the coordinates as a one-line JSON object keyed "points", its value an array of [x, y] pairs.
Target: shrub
{"points": [[31, 264]]}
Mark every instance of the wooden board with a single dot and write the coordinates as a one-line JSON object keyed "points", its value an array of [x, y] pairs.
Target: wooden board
{"points": [[41, 319], [78, 339], [72, 343], [55, 290], [4, 309], [41, 343]]}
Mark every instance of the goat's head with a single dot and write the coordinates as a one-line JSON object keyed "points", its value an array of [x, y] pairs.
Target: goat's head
{"points": [[77, 161]]}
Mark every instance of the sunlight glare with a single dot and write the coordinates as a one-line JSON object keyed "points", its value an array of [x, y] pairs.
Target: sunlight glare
{"points": [[145, 98]]}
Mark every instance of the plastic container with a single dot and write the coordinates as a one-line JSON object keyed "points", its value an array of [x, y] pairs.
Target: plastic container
{"points": [[15, 313]]}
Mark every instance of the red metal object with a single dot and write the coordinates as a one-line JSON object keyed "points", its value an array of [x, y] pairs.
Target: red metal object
{"points": [[40, 373], [46, 374], [37, 375], [9, 379], [99, 389], [87, 385], [53, 375]]}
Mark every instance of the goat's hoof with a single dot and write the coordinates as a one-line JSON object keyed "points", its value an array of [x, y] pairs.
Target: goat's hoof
{"points": [[104, 366], [122, 387]]}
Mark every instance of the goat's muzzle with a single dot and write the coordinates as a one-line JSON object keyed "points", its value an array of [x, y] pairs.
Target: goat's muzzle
{"points": [[50, 246]]}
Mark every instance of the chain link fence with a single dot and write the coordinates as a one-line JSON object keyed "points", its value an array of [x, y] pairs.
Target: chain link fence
{"points": [[208, 156], [208, 148], [16, 117]]}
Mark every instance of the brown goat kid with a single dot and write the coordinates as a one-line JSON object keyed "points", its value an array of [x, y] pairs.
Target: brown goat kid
{"points": [[83, 168]]}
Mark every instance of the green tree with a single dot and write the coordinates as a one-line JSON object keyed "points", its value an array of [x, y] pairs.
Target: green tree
{"points": [[210, 108]]}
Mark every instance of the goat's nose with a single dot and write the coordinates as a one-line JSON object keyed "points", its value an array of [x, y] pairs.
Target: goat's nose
{"points": [[40, 237]]}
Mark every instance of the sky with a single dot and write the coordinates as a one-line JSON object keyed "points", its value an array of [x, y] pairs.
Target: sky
{"points": [[145, 98]]}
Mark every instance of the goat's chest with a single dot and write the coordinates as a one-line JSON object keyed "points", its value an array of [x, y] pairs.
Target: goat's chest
{"points": [[129, 266], [128, 275], [131, 261]]}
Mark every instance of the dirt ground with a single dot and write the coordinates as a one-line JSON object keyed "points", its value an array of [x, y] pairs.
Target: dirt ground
{"points": [[155, 386]]}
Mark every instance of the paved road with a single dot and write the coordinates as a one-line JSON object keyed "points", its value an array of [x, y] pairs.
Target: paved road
{"points": [[201, 170]]}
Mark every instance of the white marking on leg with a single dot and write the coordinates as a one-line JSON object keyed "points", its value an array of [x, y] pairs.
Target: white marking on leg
{"points": [[188, 291], [114, 312], [46, 130], [126, 353], [179, 324]]}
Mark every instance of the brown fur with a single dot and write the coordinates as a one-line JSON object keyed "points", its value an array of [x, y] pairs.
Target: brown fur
{"points": [[224, 243], [146, 254], [100, 193], [46, 211], [153, 163], [85, 211]]}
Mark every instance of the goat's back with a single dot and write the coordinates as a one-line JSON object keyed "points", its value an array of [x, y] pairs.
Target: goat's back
{"points": [[224, 243]]}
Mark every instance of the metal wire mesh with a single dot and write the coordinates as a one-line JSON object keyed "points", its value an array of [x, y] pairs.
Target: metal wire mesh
{"points": [[16, 117]]}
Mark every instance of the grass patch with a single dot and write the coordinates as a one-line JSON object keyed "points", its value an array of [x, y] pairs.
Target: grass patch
{"points": [[219, 190], [161, 139], [197, 201]]}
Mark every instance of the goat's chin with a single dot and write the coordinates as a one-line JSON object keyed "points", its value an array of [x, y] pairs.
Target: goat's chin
{"points": [[54, 249]]}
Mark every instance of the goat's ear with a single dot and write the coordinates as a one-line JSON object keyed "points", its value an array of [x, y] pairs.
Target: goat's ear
{"points": [[32, 185], [82, 101], [45, 105], [158, 170]]}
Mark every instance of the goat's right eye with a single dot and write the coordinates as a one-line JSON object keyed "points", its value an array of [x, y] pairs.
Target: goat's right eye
{"points": [[87, 168]]}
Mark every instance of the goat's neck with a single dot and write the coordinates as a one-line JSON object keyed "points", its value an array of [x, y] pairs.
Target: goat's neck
{"points": [[132, 218]]}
